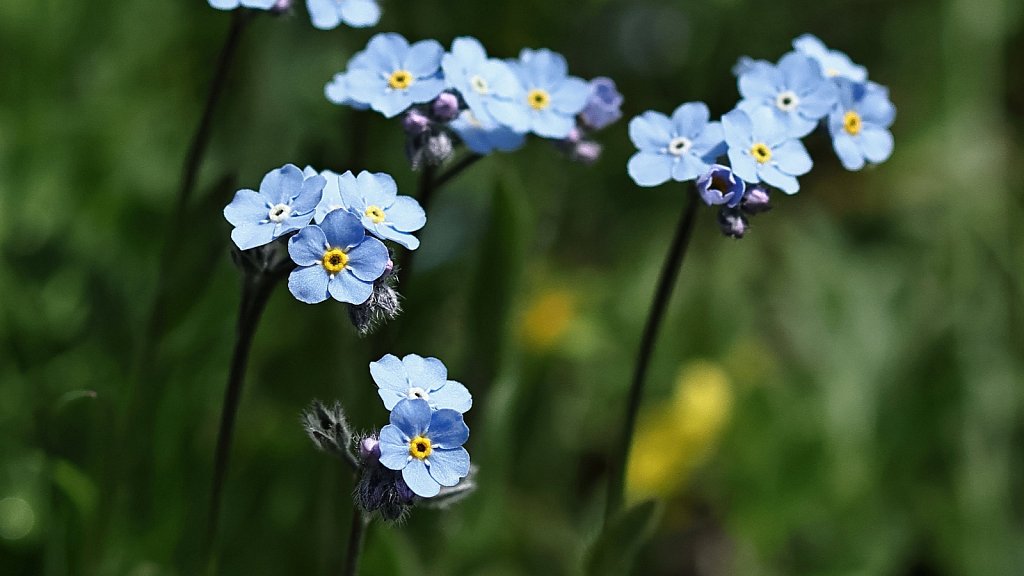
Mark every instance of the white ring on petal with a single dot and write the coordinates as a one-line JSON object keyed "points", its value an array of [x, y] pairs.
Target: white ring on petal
{"points": [[679, 146], [417, 392], [279, 212], [787, 101]]}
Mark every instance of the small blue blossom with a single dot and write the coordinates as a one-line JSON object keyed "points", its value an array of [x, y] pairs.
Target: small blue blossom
{"points": [[374, 199], [284, 203], [336, 259], [327, 14], [484, 139], [477, 77], [680, 148], [794, 90], [426, 445], [834, 64], [603, 106], [416, 377], [232, 4], [859, 124], [720, 186], [390, 75], [760, 149], [546, 99]]}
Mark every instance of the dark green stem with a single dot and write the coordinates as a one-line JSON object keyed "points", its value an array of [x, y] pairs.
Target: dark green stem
{"points": [[356, 537], [659, 306]]}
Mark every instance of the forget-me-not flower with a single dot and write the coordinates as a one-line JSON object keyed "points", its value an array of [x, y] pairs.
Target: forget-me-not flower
{"points": [[680, 148], [720, 186], [426, 445], [392, 75], [416, 377], [485, 138], [477, 77], [859, 124], [546, 99], [834, 64], [232, 4], [761, 150], [327, 14], [285, 202], [374, 199], [794, 90], [336, 259]]}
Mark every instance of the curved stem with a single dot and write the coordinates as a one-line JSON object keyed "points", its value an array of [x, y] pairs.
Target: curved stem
{"points": [[659, 306], [256, 292], [356, 537]]}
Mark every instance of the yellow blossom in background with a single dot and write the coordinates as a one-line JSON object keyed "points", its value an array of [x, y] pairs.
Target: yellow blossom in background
{"points": [[547, 318], [676, 436]]}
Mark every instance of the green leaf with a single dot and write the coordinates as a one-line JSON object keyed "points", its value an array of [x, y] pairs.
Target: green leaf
{"points": [[616, 547]]}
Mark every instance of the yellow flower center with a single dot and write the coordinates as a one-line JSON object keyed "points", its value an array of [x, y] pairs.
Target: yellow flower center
{"points": [[400, 80], [538, 99], [831, 72], [420, 448], [375, 214], [761, 152], [851, 123], [335, 260], [479, 85]]}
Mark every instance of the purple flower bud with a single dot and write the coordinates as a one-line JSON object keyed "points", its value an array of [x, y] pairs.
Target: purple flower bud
{"points": [[415, 122], [281, 6], [756, 201], [369, 449], [574, 135], [587, 152], [389, 267], [603, 106], [732, 222], [445, 107], [720, 186]]}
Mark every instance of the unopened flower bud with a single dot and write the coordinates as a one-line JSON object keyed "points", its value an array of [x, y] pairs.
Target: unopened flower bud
{"points": [[720, 186], [587, 152], [369, 449], [281, 6], [756, 200], [603, 106], [445, 107], [732, 222], [415, 122]]}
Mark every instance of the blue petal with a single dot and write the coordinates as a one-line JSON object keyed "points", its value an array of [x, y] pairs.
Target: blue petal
{"points": [[690, 118], [224, 4], [649, 169], [737, 129], [800, 73], [447, 429], [571, 96], [393, 103], [345, 287], [425, 89], [760, 83], [792, 158], [386, 232], [389, 374], [368, 260], [427, 373], [416, 476], [452, 395], [773, 176], [387, 185], [359, 13], [310, 195], [651, 131], [249, 236], [323, 13], [423, 58], [247, 207], [406, 214], [819, 102], [309, 284], [875, 108], [342, 229], [710, 144], [280, 186], [743, 165], [384, 52], [447, 467], [549, 123], [308, 246], [848, 152], [372, 192], [688, 167], [364, 85], [394, 447], [510, 113], [259, 4], [412, 417], [876, 143]]}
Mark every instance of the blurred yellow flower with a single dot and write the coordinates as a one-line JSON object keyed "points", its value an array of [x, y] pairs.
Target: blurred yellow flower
{"points": [[547, 319], [675, 437]]}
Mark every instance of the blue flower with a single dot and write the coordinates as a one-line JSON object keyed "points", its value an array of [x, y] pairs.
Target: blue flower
{"points": [[834, 64], [327, 14], [681, 148], [374, 199], [485, 138], [546, 100], [760, 149], [720, 186], [232, 4], [284, 203], [859, 124], [390, 75], [336, 258], [416, 377], [794, 90], [603, 105], [426, 445], [477, 77]]}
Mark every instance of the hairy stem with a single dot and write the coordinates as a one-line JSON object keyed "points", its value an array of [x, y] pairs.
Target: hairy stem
{"points": [[356, 537], [659, 306]]}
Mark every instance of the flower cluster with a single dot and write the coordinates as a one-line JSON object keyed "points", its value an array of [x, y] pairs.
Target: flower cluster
{"points": [[335, 225], [781, 103], [420, 454], [325, 14], [466, 96]]}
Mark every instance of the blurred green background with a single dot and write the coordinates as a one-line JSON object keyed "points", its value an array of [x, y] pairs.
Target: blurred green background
{"points": [[839, 393]]}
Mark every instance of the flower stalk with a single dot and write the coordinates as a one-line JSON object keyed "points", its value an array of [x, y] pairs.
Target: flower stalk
{"points": [[356, 537]]}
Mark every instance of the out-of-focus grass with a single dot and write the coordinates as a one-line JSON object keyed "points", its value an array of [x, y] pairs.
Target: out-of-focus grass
{"points": [[851, 394]]}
